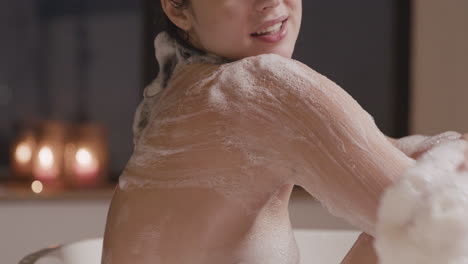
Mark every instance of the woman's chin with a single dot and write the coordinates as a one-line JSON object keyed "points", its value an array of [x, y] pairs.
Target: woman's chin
{"points": [[283, 53], [287, 53]]}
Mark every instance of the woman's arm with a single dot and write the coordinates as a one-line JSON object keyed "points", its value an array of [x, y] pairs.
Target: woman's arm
{"points": [[340, 155], [347, 160], [312, 133]]}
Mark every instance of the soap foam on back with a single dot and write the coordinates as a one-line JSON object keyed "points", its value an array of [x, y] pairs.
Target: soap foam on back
{"points": [[247, 127]]}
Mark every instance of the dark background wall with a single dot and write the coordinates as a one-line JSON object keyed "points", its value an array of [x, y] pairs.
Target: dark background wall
{"points": [[363, 47], [55, 52]]}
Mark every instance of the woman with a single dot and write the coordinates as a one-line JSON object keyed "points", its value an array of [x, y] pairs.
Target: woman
{"points": [[227, 129]]}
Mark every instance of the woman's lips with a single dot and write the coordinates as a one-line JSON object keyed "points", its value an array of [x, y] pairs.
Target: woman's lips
{"points": [[275, 37], [271, 23]]}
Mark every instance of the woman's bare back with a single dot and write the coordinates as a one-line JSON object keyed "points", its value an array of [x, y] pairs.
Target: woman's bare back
{"points": [[191, 225], [204, 204], [201, 184]]}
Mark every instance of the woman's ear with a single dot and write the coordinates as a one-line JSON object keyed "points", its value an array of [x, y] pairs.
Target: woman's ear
{"points": [[178, 15]]}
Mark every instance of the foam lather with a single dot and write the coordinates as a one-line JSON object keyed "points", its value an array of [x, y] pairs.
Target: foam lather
{"points": [[423, 217]]}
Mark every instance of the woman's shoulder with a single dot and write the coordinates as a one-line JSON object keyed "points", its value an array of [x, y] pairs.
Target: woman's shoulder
{"points": [[273, 63], [250, 80], [268, 66], [250, 69]]}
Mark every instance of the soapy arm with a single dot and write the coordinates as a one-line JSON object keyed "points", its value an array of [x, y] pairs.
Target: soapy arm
{"points": [[280, 121], [314, 134], [351, 162], [345, 160]]}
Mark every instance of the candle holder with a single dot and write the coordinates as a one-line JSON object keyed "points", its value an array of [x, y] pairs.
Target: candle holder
{"points": [[47, 163], [86, 156], [21, 153], [58, 155]]}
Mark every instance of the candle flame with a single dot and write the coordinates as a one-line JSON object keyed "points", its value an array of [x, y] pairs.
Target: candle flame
{"points": [[46, 157], [84, 157], [23, 153], [36, 187]]}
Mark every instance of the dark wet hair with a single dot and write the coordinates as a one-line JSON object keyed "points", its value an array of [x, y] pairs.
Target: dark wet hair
{"points": [[174, 31]]}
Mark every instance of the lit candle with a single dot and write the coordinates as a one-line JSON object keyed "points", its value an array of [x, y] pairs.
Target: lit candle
{"points": [[86, 166], [45, 168], [22, 154], [86, 158], [47, 159]]}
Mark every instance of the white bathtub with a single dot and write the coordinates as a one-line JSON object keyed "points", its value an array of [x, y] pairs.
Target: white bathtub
{"points": [[324, 246], [316, 246]]}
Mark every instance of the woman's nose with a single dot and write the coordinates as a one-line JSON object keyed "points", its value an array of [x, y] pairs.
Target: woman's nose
{"points": [[263, 5]]}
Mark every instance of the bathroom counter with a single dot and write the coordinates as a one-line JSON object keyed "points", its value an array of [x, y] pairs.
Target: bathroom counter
{"points": [[32, 221], [21, 191], [305, 211]]}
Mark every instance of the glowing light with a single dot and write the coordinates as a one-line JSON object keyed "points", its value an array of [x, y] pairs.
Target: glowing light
{"points": [[84, 157], [86, 166], [36, 187], [46, 157], [23, 153]]}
